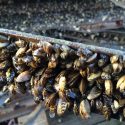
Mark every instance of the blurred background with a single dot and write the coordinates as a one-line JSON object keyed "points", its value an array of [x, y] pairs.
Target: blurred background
{"points": [[37, 15]]}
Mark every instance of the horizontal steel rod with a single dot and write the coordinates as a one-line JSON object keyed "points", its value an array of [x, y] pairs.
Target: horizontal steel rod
{"points": [[75, 45]]}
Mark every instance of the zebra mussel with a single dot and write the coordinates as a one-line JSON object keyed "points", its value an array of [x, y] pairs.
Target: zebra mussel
{"points": [[64, 78]]}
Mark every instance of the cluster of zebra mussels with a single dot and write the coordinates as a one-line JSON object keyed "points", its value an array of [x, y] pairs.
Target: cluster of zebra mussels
{"points": [[64, 78]]}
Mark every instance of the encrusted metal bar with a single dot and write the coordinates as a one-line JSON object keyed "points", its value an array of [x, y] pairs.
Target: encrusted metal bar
{"points": [[75, 45]]}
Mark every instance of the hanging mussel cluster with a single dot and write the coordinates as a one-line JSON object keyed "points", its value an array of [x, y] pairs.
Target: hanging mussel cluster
{"points": [[65, 78]]}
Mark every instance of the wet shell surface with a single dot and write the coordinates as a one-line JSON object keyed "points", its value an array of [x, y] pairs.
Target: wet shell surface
{"points": [[23, 77], [61, 107], [94, 93], [84, 109], [3, 41]]}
